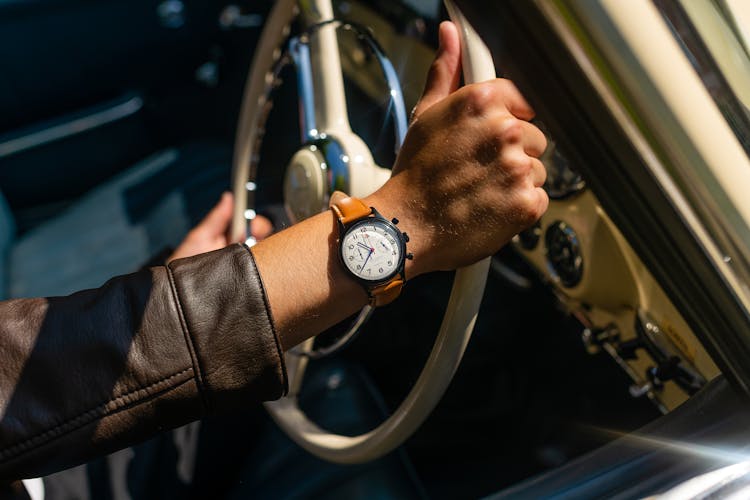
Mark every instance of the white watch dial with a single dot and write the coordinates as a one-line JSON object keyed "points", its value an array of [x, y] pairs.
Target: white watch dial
{"points": [[371, 250]]}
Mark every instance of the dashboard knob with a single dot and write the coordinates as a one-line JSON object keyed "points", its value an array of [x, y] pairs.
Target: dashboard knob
{"points": [[640, 390], [627, 349]]}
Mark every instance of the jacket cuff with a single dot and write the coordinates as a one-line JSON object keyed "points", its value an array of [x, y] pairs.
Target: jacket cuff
{"points": [[234, 348]]}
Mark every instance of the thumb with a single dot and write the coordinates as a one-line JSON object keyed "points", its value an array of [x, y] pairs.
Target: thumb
{"points": [[445, 71]]}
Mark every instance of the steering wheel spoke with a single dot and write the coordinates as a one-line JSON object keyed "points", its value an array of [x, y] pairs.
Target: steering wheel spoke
{"points": [[331, 114], [300, 53], [296, 360]]}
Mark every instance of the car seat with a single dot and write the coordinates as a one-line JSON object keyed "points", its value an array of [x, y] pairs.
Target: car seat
{"points": [[117, 227]]}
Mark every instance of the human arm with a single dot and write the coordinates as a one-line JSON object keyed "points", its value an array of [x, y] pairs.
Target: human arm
{"points": [[467, 179]]}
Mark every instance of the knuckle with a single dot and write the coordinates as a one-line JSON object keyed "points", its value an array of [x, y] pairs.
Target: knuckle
{"points": [[480, 97], [511, 130]]}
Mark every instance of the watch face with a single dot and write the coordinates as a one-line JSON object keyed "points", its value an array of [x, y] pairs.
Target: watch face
{"points": [[372, 250]]}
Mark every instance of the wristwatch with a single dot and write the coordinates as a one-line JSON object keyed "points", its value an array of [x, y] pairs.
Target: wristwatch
{"points": [[372, 249]]}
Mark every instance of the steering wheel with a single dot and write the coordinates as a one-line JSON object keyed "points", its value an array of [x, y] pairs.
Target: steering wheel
{"points": [[314, 171]]}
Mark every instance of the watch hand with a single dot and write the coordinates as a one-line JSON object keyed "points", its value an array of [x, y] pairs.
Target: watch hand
{"points": [[368, 258], [371, 248], [363, 245]]}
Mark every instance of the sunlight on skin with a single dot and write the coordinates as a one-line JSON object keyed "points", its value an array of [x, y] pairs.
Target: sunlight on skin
{"points": [[211, 233]]}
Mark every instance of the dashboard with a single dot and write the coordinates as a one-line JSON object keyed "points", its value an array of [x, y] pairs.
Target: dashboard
{"points": [[599, 279]]}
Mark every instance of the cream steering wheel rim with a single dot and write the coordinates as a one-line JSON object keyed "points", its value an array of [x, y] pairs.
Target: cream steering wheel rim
{"points": [[466, 294]]}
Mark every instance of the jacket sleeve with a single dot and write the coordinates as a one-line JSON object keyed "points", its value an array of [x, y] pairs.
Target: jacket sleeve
{"points": [[84, 375]]}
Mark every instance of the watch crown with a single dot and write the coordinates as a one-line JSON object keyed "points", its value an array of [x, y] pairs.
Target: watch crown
{"points": [[406, 237], [394, 220], [410, 256]]}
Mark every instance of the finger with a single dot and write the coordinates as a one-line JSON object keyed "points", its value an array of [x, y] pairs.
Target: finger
{"points": [[538, 172], [445, 71], [261, 227], [542, 202], [218, 219], [533, 139], [514, 101]]}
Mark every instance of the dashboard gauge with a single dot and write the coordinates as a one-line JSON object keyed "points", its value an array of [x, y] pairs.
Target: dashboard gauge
{"points": [[562, 180], [564, 253]]}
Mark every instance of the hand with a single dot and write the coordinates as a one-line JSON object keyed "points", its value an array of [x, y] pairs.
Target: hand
{"points": [[211, 233], [468, 177]]}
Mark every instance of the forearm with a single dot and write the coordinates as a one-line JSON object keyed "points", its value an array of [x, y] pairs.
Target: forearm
{"points": [[307, 287]]}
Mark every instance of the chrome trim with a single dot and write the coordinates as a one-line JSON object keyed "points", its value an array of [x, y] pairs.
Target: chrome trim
{"points": [[231, 17], [335, 163], [71, 128], [397, 108], [272, 80], [300, 54], [299, 50]]}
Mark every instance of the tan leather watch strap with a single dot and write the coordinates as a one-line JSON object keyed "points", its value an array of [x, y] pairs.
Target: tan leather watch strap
{"points": [[385, 294], [350, 209]]}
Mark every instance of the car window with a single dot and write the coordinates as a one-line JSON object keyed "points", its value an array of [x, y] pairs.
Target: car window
{"points": [[714, 35]]}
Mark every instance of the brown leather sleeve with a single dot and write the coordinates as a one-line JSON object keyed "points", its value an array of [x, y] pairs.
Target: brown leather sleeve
{"points": [[102, 369]]}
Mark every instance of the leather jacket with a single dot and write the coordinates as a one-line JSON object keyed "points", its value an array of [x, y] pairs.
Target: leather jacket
{"points": [[99, 370]]}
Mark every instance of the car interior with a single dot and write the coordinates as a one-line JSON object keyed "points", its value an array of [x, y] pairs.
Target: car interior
{"points": [[117, 133]]}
